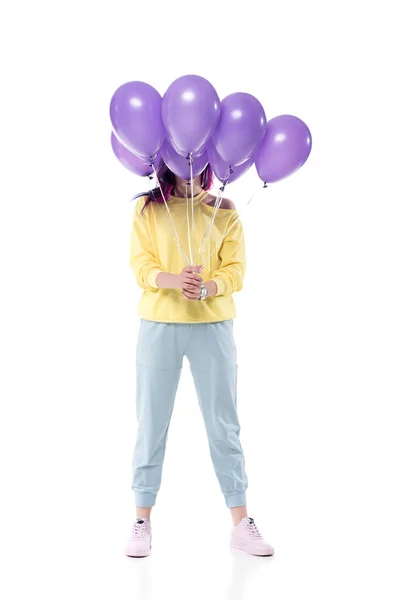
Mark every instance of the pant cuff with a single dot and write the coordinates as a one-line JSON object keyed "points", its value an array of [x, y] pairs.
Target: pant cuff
{"points": [[235, 499], [145, 499]]}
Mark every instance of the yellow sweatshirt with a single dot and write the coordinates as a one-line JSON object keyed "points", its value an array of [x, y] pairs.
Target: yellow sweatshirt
{"points": [[153, 249]]}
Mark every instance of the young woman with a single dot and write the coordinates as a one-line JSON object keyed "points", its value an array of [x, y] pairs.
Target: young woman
{"points": [[185, 314]]}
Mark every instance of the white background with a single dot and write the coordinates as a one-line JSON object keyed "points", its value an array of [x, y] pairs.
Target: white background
{"points": [[318, 320]]}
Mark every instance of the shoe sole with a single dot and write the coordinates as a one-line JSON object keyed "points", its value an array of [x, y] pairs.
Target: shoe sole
{"points": [[138, 555], [243, 549]]}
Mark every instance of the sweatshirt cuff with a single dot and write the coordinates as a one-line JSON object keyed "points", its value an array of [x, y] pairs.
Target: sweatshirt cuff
{"points": [[151, 277], [221, 285]]}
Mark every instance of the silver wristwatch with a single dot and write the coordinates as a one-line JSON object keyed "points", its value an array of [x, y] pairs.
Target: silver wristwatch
{"points": [[204, 292]]}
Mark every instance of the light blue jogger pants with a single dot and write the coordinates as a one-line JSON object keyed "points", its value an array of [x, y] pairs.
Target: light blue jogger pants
{"points": [[211, 351]]}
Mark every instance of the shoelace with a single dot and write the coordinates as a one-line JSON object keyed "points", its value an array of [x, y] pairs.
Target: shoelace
{"points": [[139, 530], [252, 528]]}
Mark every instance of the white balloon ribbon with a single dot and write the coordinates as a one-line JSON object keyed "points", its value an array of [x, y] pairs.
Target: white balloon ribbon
{"points": [[174, 233]]}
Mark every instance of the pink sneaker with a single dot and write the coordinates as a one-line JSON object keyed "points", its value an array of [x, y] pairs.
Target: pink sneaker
{"points": [[246, 536], [139, 543]]}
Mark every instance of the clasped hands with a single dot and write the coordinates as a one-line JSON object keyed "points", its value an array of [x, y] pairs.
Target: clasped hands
{"points": [[190, 281]]}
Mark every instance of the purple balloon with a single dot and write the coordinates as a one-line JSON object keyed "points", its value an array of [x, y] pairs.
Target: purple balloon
{"points": [[132, 162], [190, 112], [285, 148], [196, 154], [223, 171], [240, 129], [180, 165], [135, 112]]}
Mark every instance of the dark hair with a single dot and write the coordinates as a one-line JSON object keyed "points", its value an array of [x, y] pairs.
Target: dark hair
{"points": [[167, 182]]}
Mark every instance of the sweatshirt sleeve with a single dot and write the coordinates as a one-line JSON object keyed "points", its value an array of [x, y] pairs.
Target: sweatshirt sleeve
{"points": [[142, 257], [229, 275]]}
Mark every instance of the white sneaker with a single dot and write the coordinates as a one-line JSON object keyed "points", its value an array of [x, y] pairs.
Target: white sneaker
{"points": [[139, 542], [246, 536]]}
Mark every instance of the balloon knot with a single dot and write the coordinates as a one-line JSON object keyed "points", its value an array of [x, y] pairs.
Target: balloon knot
{"points": [[265, 185], [221, 189], [230, 170], [150, 177]]}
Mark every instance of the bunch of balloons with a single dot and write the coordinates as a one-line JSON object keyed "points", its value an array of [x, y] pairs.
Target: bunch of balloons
{"points": [[190, 127]]}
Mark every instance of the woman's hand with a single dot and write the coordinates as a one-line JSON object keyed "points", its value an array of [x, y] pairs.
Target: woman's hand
{"points": [[180, 281], [190, 281]]}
